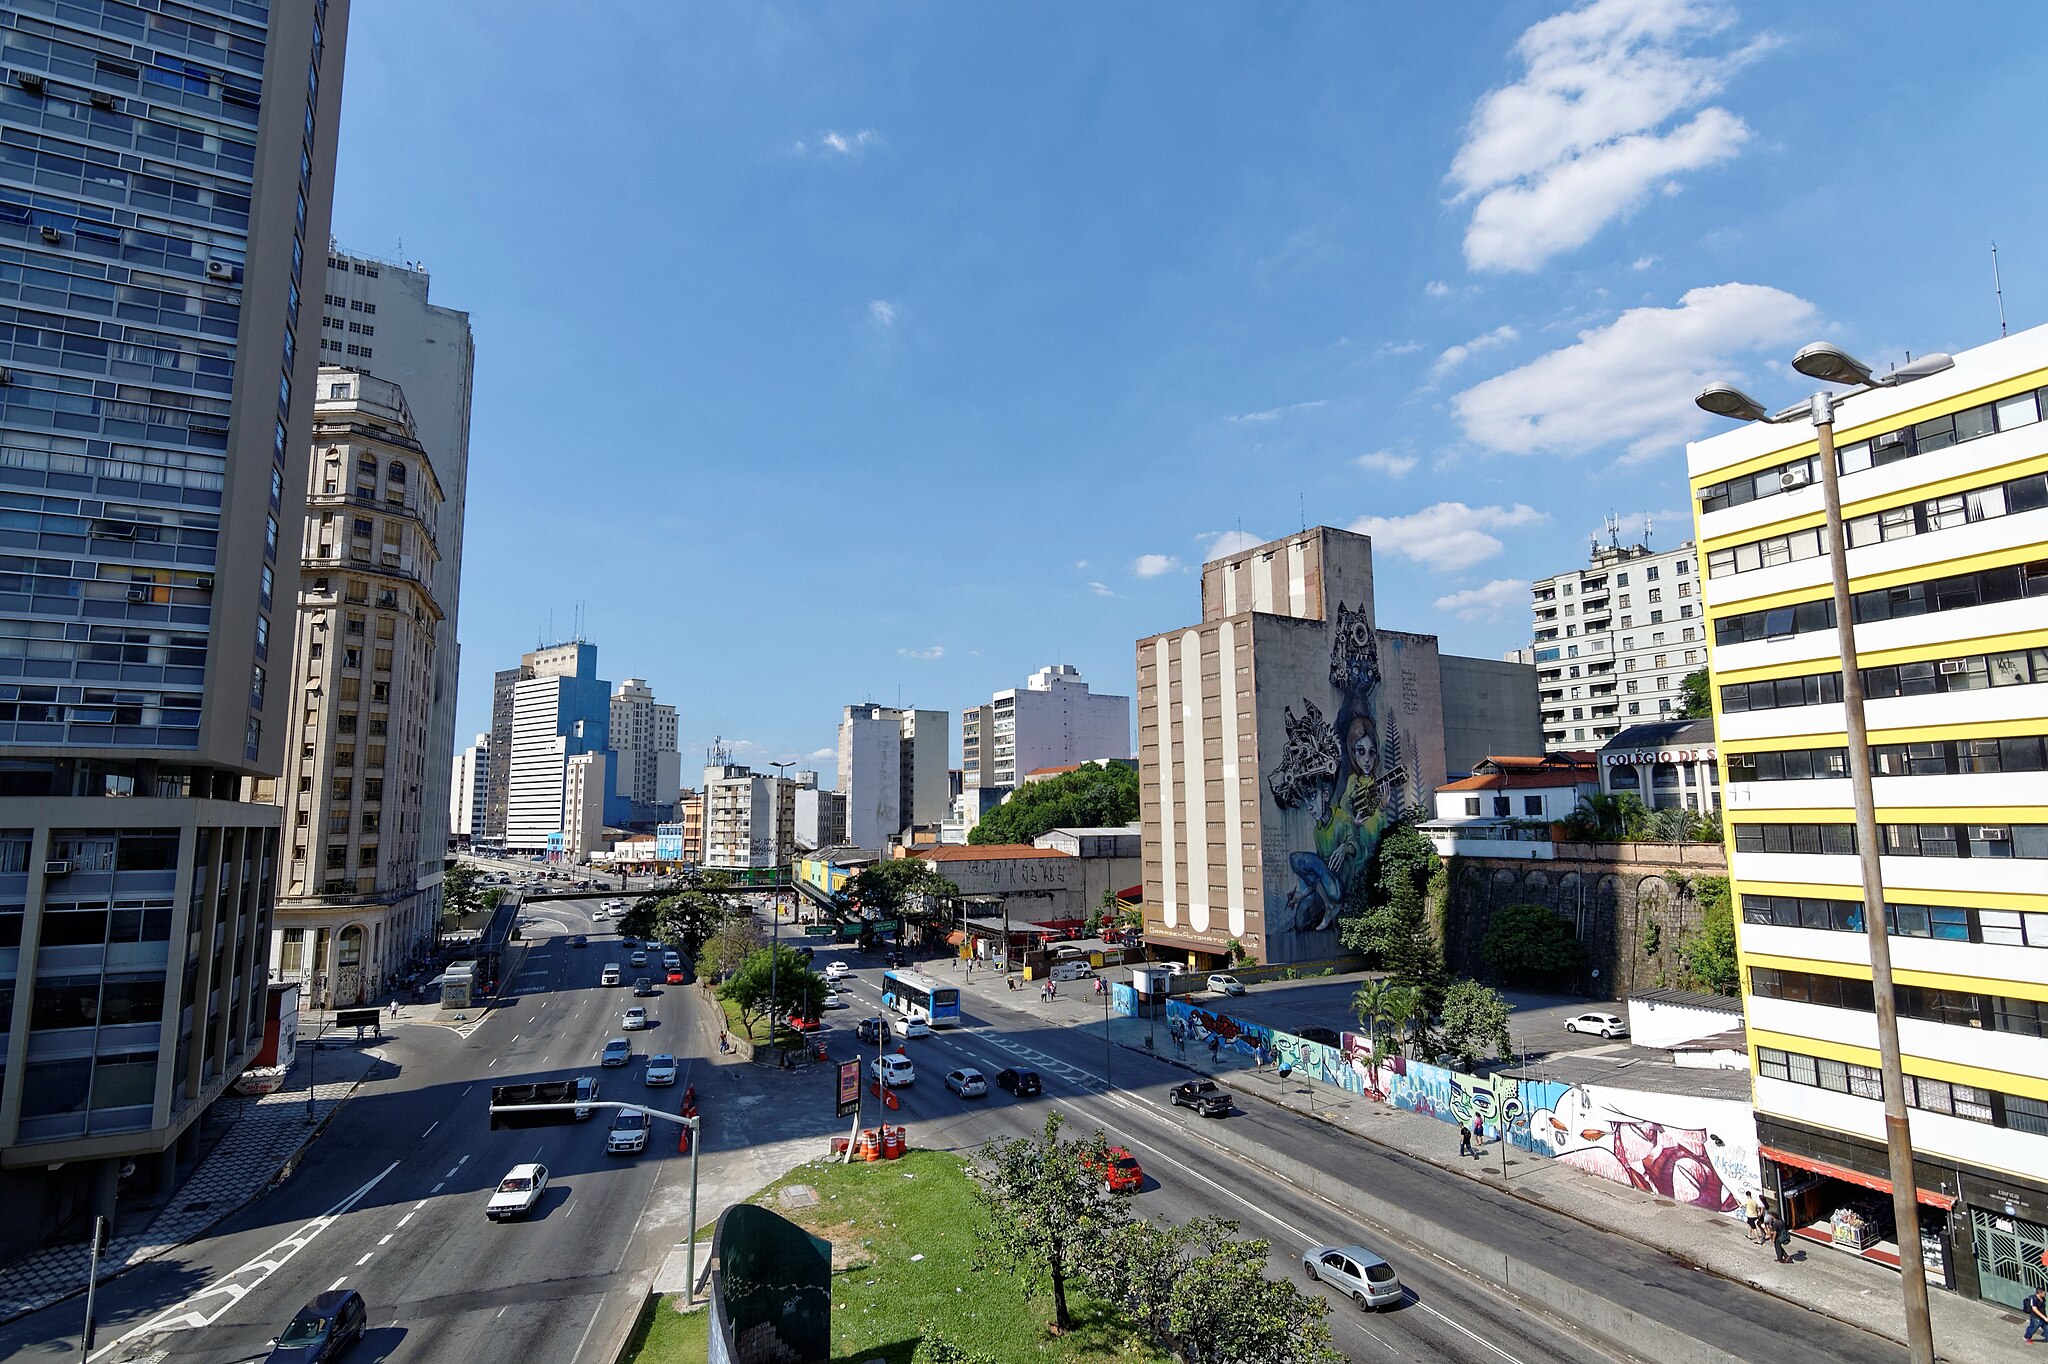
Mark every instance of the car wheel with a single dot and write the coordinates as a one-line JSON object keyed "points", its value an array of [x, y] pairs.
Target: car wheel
{"points": [[1358, 1297], [1571, 1027], [1308, 1267]]}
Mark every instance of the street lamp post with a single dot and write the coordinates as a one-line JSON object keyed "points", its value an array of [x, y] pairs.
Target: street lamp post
{"points": [[1831, 365], [775, 901]]}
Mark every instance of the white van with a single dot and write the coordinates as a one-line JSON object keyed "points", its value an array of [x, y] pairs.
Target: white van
{"points": [[1072, 970], [611, 974]]}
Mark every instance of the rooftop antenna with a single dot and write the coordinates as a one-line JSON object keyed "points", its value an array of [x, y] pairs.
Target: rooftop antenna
{"points": [[1998, 288], [1646, 531], [1302, 498]]}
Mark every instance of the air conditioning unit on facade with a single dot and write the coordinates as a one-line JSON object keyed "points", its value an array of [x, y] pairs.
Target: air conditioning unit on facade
{"points": [[52, 235], [56, 868], [29, 81], [1888, 440], [220, 270], [101, 99], [1951, 665], [1991, 833], [1798, 476], [138, 594]]}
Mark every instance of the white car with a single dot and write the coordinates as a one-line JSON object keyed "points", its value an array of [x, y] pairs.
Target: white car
{"points": [[518, 1193], [1606, 1025], [893, 1071], [1224, 984], [916, 1027], [1363, 1276], [635, 1019], [600, 916], [967, 1082], [835, 969], [628, 1134], [661, 1069], [835, 1000]]}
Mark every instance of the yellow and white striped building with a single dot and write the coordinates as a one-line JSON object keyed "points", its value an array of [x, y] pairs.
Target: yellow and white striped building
{"points": [[1945, 496]]}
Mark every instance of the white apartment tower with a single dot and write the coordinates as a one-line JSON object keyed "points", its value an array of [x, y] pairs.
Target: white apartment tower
{"points": [[650, 770], [560, 711], [355, 903], [749, 818], [375, 318], [1614, 640], [1053, 720], [468, 791], [893, 765]]}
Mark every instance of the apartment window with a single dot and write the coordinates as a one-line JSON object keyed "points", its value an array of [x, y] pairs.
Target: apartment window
{"points": [[1656, 593], [1621, 580], [1532, 805], [1472, 806], [1684, 590], [351, 658], [354, 622], [337, 857], [373, 788], [382, 660], [1624, 599]]}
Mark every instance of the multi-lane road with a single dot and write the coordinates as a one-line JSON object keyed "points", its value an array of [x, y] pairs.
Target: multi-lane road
{"points": [[391, 1199]]}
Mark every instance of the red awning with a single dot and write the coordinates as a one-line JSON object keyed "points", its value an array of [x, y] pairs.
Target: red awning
{"points": [[1821, 1167], [955, 938], [1134, 894]]}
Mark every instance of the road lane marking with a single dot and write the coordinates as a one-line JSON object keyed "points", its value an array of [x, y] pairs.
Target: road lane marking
{"points": [[515, 1038], [386, 1238], [190, 1315], [365, 1260], [466, 1088], [403, 1220], [415, 1208], [337, 1283], [438, 1187], [451, 1173], [460, 1163], [430, 1127], [1459, 1327], [494, 1061]]}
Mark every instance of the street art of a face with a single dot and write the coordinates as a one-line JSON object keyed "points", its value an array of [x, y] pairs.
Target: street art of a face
{"points": [[1674, 1162]]}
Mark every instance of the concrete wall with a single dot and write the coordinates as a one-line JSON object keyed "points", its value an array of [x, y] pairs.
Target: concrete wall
{"points": [[1489, 708]]}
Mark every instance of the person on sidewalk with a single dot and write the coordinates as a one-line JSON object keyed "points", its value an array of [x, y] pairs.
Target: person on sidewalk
{"points": [[1775, 1231], [1752, 1212], [1464, 1139], [2035, 1305], [1214, 1043]]}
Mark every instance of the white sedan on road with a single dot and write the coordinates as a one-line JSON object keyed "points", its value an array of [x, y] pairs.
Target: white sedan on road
{"points": [[835, 970], [518, 1193]]}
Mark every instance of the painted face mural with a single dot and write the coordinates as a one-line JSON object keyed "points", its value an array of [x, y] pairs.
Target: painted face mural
{"points": [[1345, 773], [1679, 1163]]}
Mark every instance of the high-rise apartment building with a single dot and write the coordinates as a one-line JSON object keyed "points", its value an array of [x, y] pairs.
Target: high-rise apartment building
{"points": [[376, 318], [893, 766], [1614, 641], [643, 734], [357, 900], [820, 817], [468, 791], [1944, 490], [749, 818], [498, 791], [1280, 737], [164, 197], [690, 822], [561, 709], [1050, 721]]}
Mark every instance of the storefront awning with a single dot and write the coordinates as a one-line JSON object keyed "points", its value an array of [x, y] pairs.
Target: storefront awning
{"points": [[955, 938], [1821, 1167]]}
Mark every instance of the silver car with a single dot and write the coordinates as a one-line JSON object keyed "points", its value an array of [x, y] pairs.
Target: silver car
{"points": [[1363, 1276], [967, 1082]]}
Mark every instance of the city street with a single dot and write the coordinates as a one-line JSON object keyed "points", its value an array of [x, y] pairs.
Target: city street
{"points": [[391, 1200]]}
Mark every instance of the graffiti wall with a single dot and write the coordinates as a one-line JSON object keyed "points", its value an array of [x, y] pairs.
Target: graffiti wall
{"points": [[1697, 1151]]}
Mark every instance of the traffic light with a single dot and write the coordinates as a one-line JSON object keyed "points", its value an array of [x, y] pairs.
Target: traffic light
{"points": [[512, 1105]]}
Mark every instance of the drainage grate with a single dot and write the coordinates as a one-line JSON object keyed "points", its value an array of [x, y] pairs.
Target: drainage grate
{"points": [[201, 1206]]}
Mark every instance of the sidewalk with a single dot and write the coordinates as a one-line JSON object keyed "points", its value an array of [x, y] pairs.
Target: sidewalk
{"points": [[1819, 1279], [266, 1137]]}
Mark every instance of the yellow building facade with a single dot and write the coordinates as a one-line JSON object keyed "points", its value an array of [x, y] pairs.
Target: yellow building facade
{"points": [[1944, 486]]}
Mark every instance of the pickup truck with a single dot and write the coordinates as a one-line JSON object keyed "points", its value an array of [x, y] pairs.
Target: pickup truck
{"points": [[1206, 1097]]}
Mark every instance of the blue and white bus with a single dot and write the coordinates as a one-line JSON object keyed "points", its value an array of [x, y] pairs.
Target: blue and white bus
{"points": [[920, 996]]}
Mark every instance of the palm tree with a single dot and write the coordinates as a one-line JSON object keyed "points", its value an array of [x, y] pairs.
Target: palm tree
{"points": [[1607, 816], [1373, 1003]]}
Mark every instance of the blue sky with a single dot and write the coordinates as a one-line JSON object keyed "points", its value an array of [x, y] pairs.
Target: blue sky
{"points": [[832, 353]]}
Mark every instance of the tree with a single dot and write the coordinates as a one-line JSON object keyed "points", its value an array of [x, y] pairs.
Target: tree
{"points": [[460, 892], [897, 886], [798, 991], [728, 948], [1374, 1003], [1526, 942], [1697, 689], [1609, 817], [1048, 1212], [1709, 952], [686, 918], [1089, 797], [1387, 912], [1475, 1019], [1201, 1294]]}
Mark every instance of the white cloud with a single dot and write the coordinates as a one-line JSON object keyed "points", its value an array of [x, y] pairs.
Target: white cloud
{"points": [[1386, 462], [1436, 288], [1488, 602], [823, 753], [1454, 356], [1448, 535], [1223, 544], [1632, 380], [1588, 132], [1398, 348], [1642, 262], [1154, 565], [835, 143], [1102, 589], [1273, 414], [882, 313], [1080, 564], [934, 651]]}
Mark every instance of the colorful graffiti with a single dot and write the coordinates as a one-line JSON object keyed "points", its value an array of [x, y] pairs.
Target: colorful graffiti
{"points": [[1348, 774]]}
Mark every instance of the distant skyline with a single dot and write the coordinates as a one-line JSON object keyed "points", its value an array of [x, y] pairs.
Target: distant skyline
{"points": [[831, 354]]}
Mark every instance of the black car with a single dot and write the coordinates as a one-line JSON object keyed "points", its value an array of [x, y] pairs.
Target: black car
{"points": [[893, 959], [324, 1329], [873, 1030], [1206, 1097], [806, 953], [643, 987], [1022, 1083], [579, 941], [1316, 1033]]}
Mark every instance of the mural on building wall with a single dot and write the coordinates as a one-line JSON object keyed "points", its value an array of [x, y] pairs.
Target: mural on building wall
{"points": [[1348, 774]]}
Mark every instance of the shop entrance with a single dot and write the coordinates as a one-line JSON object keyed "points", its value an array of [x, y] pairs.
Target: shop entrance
{"points": [[1853, 1216], [2012, 1256]]}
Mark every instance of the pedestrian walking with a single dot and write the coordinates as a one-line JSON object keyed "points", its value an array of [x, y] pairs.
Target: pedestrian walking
{"points": [[724, 1042], [1778, 1236], [1752, 1212], [2036, 1308], [1215, 1044], [1464, 1139]]}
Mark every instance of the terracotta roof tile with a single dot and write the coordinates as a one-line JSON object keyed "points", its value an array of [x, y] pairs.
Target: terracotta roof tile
{"points": [[985, 852]]}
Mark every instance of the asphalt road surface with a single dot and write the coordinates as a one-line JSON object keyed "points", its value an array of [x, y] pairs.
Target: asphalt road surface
{"points": [[390, 1201]]}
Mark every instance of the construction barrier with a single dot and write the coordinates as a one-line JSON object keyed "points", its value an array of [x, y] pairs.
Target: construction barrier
{"points": [[870, 1144], [892, 1143], [839, 1146], [889, 1099]]}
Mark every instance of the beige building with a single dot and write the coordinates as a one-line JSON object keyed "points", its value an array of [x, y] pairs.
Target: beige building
{"points": [[749, 818], [690, 814], [583, 788], [353, 904]]}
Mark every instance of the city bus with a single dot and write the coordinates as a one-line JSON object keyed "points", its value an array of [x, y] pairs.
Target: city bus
{"points": [[920, 996]]}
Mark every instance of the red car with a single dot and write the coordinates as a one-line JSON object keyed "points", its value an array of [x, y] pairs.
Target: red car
{"points": [[1122, 1173], [675, 977]]}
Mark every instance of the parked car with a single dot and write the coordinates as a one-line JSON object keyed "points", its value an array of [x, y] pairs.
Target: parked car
{"points": [[661, 1069], [324, 1329], [1121, 1171], [1173, 968], [1606, 1025], [873, 1031], [893, 1071], [586, 1093], [1366, 1277], [1224, 984], [1206, 1097], [1316, 1032], [628, 1134], [635, 1019], [643, 988], [517, 1193], [617, 1052], [967, 1082], [1022, 1083]]}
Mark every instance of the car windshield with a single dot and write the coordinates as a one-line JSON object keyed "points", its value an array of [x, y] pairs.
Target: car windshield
{"points": [[516, 1184], [306, 1329], [627, 1122]]}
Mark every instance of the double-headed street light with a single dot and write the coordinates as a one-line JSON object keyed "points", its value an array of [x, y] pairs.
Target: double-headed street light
{"points": [[1830, 364]]}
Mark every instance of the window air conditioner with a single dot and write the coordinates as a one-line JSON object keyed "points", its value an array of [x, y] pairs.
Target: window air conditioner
{"points": [[29, 81], [52, 235], [1951, 665], [220, 269], [138, 594], [56, 868], [1991, 833], [203, 582], [101, 100], [1889, 439], [1798, 476]]}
